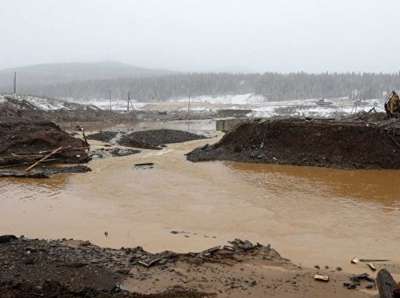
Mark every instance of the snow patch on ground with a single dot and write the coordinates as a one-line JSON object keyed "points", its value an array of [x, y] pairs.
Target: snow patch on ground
{"points": [[310, 108], [116, 104], [40, 103], [224, 99]]}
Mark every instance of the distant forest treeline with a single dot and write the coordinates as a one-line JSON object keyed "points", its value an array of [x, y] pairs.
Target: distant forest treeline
{"points": [[273, 86]]}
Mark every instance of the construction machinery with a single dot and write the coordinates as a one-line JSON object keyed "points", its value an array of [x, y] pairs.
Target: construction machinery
{"points": [[392, 104]]}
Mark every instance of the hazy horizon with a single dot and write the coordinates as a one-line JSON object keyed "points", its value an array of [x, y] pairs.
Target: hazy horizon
{"points": [[205, 36]]}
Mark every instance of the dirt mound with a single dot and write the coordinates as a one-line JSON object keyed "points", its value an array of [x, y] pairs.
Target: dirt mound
{"points": [[156, 139], [27, 142], [51, 289], [72, 268], [356, 143], [102, 136]]}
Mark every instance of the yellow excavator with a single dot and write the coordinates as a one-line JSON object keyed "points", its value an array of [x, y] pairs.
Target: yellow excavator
{"points": [[392, 104]]}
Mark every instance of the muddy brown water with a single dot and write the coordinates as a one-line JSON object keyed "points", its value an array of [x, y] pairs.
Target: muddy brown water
{"points": [[310, 215]]}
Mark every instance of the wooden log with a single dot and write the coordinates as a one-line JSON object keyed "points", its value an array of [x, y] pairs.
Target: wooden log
{"points": [[43, 159], [386, 284]]}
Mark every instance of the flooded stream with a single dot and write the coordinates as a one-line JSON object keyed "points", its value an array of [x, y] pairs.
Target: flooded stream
{"points": [[310, 215]]}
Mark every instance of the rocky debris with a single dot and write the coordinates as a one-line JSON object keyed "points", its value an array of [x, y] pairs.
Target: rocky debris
{"points": [[355, 280], [27, 142], [112, 152], [123, 152], [103, 136], [80, 269], [354, 143], [144, 166], [157, 139], [232, 254], [60, 259], [51, 289]]}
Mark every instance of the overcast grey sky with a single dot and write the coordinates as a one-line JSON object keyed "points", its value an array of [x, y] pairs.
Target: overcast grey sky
{"points": [[205, 35]]}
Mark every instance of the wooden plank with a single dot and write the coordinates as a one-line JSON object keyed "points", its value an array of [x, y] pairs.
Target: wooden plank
{"points": [[43, 159]]}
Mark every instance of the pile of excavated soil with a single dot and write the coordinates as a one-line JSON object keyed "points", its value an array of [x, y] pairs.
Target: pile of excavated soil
{"points": [[364, 141], [71, 268], [156, 139], [53, 289], [103, 136], [23, 142]]}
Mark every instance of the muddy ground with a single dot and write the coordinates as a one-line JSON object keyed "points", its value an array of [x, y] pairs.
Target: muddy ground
{"points": [[157, 139], [364, 141], [70, 268]]}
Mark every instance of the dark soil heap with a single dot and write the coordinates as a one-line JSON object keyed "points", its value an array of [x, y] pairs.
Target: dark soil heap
{"points": [[156, 139], [29, 140], [364, 141], [102, 136], [71, 268]]}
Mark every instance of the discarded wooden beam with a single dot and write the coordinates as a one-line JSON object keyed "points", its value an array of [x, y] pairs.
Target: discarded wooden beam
{"points": [[43, 159], [386, 284]]}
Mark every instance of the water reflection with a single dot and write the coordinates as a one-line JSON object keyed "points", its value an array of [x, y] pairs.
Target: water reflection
{"points": [[366, 185], [25, 189]]}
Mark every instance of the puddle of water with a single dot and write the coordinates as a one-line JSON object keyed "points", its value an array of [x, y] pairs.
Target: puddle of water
{"points": [[310, 215]]}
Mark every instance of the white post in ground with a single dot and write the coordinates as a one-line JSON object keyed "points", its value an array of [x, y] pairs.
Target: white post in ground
{"points": [[110, 99], [188, 113]]}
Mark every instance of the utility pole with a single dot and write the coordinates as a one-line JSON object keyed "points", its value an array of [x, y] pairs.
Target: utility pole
{"points": [[129, 98], [110, 100], [15, 82], [188, 114]]}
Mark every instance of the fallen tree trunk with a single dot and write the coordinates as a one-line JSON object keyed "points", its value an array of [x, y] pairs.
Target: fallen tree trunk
{"points": [[386, 284]]}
